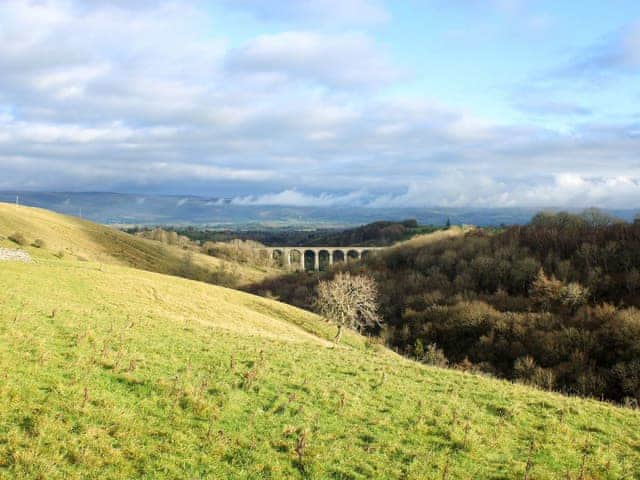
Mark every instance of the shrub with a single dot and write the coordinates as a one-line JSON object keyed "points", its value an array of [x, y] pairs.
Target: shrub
{"points": [[526, 370], [38, 243], [18, 238], [349, 301], [435, 356], [418, 349], [243, 251]]}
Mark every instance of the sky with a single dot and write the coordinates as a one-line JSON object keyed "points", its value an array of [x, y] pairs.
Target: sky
{"points": [[483, 103]]}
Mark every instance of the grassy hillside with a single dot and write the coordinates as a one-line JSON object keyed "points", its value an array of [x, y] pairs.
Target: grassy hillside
{"points": [[119, 373], [433, 237], [84, 240]]}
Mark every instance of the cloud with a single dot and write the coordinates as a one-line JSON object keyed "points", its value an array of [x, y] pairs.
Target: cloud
{"points": [[538, 105], [456, 189], [591, 83], [343, 60], [295, 198], [342, 12], [619, 53]]}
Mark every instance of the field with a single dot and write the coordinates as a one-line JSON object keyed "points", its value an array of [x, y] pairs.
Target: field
{"points": [[112, 372]]}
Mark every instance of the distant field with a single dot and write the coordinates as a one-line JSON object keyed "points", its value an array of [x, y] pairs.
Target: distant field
{"points": [[433, 237], [110, 372], [87, 241]]}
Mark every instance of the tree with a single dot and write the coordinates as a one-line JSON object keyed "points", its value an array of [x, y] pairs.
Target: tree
{"points": [[574, 295], [545, 292], [349, 301], [596, 218]]}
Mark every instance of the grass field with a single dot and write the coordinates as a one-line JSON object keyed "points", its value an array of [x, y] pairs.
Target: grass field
{"points": [[83, 240], [110, 372]]}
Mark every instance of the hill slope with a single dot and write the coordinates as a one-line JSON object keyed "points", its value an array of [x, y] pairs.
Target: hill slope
{"points": [[90, 241], [119, 373]]}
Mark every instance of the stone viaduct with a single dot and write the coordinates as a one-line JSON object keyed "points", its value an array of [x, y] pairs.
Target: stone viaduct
{"points": [[295, 257]]}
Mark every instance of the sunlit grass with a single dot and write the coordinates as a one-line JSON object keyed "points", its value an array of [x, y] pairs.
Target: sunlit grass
{"points": [[78, 239], [119, 373]]}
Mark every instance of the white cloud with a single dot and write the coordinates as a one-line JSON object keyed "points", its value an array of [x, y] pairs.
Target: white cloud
{"points": [[564, 189], [299, 199], [339, 60], [455, 189]]}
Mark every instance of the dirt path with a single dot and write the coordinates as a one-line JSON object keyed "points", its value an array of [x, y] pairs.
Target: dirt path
{"points": [[9, 255]]}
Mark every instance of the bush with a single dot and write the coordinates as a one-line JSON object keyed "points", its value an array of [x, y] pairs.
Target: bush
{"points": [[526, 370], [38, 243], [18, 238], [435, 356], [242, 251]]}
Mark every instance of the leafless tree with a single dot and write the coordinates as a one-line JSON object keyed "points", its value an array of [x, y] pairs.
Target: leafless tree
{"points": [[349, 301]]}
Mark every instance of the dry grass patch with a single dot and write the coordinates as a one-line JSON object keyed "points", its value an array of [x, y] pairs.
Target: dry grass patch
{"points": [[61, 235]]}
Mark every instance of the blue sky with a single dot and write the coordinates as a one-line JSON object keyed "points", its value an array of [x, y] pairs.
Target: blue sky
{"points": [[325, 102]]}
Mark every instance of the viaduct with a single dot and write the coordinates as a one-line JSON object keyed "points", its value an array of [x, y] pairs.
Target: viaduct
{"points": [[295, 257]]}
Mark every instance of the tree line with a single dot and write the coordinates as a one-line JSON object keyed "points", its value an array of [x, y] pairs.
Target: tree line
{"points": [[373, 234]]}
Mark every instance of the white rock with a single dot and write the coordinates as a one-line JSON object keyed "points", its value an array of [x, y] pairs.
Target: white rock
{"points": [[9, 255]]}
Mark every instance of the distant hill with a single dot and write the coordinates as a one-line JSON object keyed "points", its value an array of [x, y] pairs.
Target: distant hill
{"points": [[131, 209], [111, 372]]}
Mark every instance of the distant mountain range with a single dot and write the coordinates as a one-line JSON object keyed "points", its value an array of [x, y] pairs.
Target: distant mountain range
{"points": [[138, 209]]}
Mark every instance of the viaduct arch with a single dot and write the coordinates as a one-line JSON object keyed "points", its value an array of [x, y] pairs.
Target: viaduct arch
{"points": [[330, 254]]}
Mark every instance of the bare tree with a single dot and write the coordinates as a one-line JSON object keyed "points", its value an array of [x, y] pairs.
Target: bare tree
{"points": [[349, 301]]}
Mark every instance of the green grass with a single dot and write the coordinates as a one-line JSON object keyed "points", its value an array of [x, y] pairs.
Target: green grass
{"points": [[122, 373], [87, 241]]}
